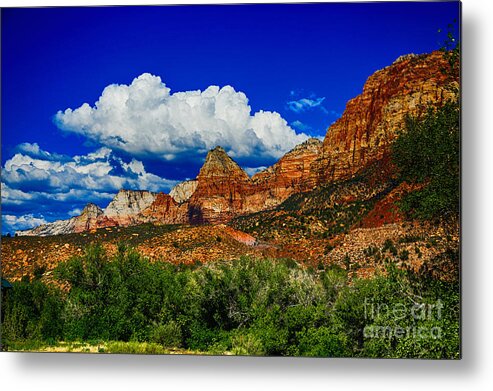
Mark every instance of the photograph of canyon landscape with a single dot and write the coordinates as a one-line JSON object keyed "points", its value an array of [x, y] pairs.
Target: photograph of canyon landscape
{"points": [[263, 179]]}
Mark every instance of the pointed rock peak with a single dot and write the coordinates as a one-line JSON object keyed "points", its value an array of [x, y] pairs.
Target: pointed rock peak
{"points": [[219, 164], [218, 153], [218, 149], [313, 141], [91, 210]]}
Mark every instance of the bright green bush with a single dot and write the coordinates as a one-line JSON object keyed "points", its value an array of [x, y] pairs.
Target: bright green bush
{"points": [[247, 345], [427, 152], [168, 334]]}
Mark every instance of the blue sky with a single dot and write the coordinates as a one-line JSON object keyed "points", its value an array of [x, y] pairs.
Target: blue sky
{"points": [[94, 99]]}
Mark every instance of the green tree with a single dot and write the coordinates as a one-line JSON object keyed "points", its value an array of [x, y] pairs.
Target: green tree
{"points": [[427, 152]]}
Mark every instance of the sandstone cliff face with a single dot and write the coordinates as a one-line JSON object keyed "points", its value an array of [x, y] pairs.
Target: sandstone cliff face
{"points": [[127, 204], [370, 122], [293, 173], [224, 190], [88, 219], [183, 191], [164, 210], [221, 189]]}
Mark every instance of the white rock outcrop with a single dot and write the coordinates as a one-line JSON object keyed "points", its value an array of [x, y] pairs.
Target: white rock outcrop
{"points": [[183, 191]]}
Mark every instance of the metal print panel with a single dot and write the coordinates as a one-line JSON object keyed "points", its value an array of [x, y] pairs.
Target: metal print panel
{"points": [[268, 180]]}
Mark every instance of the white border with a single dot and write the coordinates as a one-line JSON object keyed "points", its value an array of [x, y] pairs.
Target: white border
{"points": [[473, 372]]}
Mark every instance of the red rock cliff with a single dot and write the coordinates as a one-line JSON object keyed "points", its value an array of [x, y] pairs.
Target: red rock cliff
{"points": [[221, 189], [370, 121]]}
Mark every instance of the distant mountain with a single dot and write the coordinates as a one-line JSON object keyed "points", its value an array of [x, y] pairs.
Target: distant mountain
{"points": [[222, 189]]}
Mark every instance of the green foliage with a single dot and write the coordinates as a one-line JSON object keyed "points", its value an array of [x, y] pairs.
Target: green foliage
{"points": [[32, 311], [168, 335], [134, 348], [322, 342], [247, 345], [404, 255], [247, 307], [427, 152]]}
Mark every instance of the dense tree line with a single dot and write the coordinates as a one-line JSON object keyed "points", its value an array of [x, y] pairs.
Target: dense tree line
{"points": [[247, 306]]}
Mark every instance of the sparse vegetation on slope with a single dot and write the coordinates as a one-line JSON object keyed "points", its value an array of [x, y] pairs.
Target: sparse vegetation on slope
{"points": [[322, 213]]}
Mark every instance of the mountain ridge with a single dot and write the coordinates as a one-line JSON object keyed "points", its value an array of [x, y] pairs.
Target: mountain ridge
{"points": [[222, 190]]}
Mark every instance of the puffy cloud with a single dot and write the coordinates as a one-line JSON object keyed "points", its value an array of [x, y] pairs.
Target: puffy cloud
{"points": [[33, 181], [75, 212], [11, 223], [101, 171], [33, 149], [145, 119], [305, 104]]}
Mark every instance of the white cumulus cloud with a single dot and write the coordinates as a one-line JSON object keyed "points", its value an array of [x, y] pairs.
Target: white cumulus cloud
{"points": [[99, 171], [19, 223], [146, 119]]}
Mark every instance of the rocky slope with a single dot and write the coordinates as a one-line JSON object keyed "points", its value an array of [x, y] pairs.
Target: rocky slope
{"points": [[125, 209], [58, 227]]}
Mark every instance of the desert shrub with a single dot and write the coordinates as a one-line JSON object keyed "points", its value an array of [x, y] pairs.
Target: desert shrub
{"points": [[247, 344], [168, 334], [322, 342], [389, 246], [384, 316], [404, 255]]}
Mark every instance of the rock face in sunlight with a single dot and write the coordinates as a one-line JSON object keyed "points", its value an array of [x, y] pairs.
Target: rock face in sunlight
{"points": [[372, 119], [127, 204], [183, 191], [223, 190], [88, 218], [293, 173], [164, 210], [58, 227]]}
